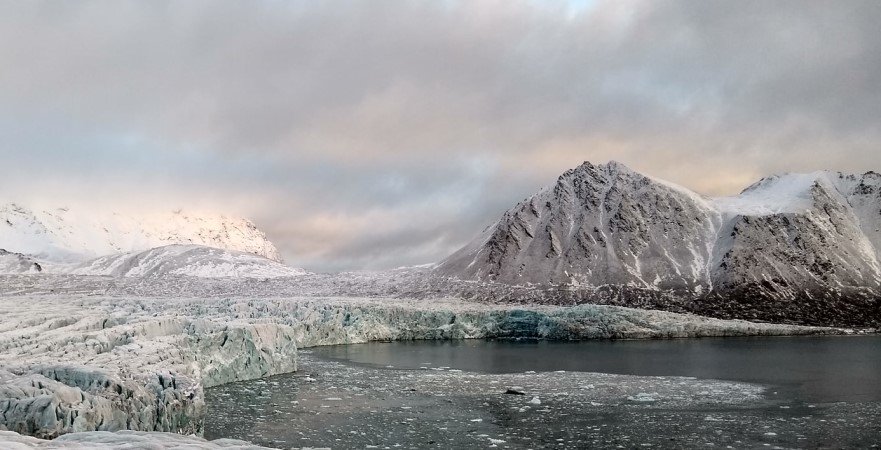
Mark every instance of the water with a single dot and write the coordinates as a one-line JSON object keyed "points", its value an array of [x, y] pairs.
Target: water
{"points": [[815, 368], [800, 392]]}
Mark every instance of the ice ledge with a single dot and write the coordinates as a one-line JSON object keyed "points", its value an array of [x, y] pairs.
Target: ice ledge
{"points": [[148, 376]]}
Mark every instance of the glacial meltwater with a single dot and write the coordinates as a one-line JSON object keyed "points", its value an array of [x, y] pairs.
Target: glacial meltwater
{"points": [[784, 392]]}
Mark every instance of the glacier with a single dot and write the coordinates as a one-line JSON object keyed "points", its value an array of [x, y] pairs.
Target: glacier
{"points": [[75, 363]]}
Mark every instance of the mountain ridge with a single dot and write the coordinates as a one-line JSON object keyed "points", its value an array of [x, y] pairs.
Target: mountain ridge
{"points": [[65, 235], [789, 238], [185, 260]]}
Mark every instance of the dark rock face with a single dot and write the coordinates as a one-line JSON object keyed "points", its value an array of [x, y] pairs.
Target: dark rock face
{"points": [[791, 248]]}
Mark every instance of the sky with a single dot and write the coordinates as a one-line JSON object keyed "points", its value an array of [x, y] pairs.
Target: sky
{"points": [[377, 134]]}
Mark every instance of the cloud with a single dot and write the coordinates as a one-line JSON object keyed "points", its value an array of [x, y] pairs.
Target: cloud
{"points": [[378, 134]]}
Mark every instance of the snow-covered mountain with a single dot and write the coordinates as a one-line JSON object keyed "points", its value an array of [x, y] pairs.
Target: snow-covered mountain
{"points": [[186, 260], [65, 235], [14, 263], [597, 225], [793, 238], [800, 235]]}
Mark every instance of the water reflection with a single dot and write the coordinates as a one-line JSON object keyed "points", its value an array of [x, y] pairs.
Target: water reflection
{"points": [[821, 369]]}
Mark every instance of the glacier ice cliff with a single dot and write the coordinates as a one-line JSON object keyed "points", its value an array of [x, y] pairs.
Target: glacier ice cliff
{"points": [[69, 371], [95, 363]]}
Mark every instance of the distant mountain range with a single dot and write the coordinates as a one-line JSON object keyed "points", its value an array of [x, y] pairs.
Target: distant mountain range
{"points": [[185, 260], [798, 247], [67, 235], [64, 241]]}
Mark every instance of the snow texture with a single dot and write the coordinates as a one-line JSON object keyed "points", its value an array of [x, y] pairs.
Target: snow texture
{"points": [[186, 260], [804, 245], [15, 263], [68, 235]]}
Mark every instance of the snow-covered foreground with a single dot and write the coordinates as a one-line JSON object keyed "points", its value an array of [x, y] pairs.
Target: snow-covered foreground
{"points": [[73, 362]]}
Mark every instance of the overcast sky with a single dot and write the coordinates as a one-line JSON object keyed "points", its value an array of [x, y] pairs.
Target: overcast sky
{"points": [[375, 134]]}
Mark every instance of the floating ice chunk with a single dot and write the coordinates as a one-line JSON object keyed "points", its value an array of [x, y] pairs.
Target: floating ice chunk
{"points": [[643, 397]]}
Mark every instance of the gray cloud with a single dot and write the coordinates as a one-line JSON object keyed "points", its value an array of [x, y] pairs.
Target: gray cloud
{"points": [[378, 134]]}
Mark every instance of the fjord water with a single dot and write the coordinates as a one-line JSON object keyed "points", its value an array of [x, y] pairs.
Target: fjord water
{"points": [[813, 368], [808, 368], [820, 392]]}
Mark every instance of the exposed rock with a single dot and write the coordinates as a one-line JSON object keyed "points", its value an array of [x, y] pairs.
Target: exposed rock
{"points": [[798, 248], [17, 263], [596, 225]]}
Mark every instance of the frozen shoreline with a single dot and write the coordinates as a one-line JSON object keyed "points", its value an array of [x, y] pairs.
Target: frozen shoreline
{"points": [[77, 362]]}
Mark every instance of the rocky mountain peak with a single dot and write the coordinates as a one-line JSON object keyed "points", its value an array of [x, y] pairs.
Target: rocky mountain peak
{"points": [[786, 238]]}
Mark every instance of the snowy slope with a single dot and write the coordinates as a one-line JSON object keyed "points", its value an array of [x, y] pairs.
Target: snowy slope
{"points": [[811, 238], [797, 233], [186, 260], [14, 263], [68, 235], [598, 224]]}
